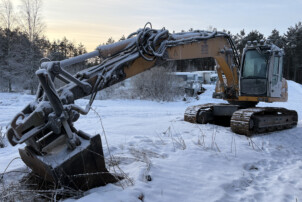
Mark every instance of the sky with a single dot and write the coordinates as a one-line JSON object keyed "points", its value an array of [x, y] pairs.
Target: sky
{"points": [[92, 22]]}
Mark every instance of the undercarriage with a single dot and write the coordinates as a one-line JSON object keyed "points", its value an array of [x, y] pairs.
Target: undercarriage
{"points": [[244, 121]]}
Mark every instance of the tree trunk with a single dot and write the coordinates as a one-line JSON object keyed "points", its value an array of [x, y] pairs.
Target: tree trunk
{"points": [[9, 86]]}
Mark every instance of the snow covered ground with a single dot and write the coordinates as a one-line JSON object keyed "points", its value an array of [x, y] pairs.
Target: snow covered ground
{"points": [[186, 162]]}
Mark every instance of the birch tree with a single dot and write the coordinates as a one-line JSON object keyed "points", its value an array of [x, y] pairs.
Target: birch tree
{"points": [[7, 16], [33, 26]]}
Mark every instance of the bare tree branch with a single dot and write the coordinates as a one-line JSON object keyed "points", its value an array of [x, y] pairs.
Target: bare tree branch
{"points": [[7, 17]]}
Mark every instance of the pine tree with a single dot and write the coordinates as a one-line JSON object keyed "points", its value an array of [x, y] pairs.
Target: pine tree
{"points": [[110, 41], [122, 38], [293, 50], [276, 39], [7, 20], [241, 39]]}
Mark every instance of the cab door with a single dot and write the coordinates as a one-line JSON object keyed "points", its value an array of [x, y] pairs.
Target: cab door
{"points": [[275, 75]]}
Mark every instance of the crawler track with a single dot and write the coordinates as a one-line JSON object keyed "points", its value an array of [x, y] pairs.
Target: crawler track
{"points": [[192, 111], [261, 120]]}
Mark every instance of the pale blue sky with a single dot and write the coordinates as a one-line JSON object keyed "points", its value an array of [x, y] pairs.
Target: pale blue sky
{"points": [[94, 21]]}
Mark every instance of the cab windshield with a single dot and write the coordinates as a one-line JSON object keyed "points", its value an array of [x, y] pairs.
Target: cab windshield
{"points": [[254, 65]]}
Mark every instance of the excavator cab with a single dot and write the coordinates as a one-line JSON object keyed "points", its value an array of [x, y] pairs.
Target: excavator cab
{"points": [[261, 70], [259, 80]]}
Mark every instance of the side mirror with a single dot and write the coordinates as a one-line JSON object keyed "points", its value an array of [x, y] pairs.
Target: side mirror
{"points": [[267, 52], [278, 53]]}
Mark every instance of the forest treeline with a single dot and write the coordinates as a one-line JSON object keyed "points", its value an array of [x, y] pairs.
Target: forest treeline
{"points": [[23, 45]]}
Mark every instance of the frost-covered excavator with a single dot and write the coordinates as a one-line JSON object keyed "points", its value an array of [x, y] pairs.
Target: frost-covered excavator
{"points": [[60, 153]]}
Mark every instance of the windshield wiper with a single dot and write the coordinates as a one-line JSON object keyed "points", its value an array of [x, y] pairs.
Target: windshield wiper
{"points": [[253, 77], [262, 54]]}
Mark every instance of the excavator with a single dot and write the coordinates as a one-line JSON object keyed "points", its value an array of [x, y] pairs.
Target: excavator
{"points": [[58, 152]]}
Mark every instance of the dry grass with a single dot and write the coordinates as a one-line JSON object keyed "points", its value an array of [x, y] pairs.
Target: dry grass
{"points": [[113, 162], [2, 137], [143, 156], [176, 138], [201, 140], [253, 144], [214, 145], [233, 145], [23, 185]]}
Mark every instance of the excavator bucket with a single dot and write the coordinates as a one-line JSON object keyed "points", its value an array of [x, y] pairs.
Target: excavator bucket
{"points": [[55, 150], [82, 168]]}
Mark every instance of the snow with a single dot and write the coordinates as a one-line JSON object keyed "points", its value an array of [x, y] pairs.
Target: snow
{"points": [[186, 162]]}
